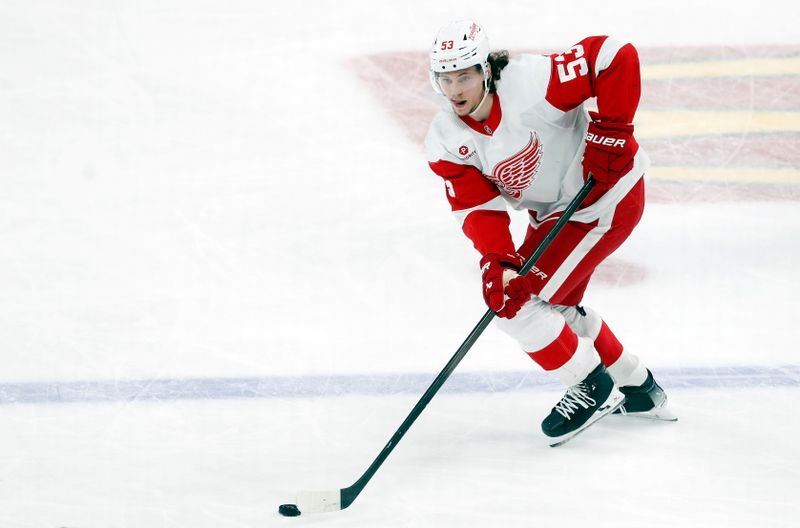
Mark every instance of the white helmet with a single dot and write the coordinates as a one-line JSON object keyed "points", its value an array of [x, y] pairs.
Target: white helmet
{"points": [[457, 46]]}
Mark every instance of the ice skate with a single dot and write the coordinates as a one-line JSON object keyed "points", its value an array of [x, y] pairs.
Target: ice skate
{"points": [[582, 405], [647, 400]]}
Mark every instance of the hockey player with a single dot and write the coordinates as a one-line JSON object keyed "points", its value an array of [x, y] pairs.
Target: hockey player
{"points": [[516, 133]]}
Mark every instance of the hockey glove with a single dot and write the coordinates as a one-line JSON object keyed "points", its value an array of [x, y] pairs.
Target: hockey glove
{"points": [[503, 290], [610, 148]]}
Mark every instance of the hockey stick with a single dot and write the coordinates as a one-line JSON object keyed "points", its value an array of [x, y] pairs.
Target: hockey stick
{"points": [[334, 500]]}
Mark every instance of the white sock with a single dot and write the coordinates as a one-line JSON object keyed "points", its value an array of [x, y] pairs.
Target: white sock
{"points": [[628, 370]]}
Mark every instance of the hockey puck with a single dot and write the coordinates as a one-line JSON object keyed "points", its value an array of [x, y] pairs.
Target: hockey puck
{"points": [[288, 510]]}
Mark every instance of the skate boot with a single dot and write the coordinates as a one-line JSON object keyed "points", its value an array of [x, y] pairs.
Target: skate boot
{"points": [[647, 400], [582, 405]]}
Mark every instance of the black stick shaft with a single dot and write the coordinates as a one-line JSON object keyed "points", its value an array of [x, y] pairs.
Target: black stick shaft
{"points": [[349, 494]]}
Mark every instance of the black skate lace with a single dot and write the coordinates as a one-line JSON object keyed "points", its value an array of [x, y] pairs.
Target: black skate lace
{"points": [[575, 397]]}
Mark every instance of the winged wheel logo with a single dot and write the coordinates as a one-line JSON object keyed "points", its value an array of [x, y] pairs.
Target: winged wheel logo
{"points": [[516, 173]]}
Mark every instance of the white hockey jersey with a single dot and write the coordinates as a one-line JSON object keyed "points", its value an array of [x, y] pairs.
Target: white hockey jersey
{"points": [[528, 152]]}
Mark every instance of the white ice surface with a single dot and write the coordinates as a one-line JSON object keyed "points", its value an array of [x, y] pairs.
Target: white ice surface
{"points": [[204, 190]]}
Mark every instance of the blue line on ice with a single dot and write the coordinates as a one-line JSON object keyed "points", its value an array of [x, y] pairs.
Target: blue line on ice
{"points": [[362, 384]]}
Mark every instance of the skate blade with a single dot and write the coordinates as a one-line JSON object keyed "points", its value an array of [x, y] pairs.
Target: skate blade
{"points": [[659, 414], [614, 402], [662, 413]]}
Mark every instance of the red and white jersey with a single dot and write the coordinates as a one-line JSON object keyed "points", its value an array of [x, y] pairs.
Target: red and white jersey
{"points": [[528, 152]]}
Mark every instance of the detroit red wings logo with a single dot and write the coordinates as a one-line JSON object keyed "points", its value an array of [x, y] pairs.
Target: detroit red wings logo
{"points": [[516, 173]]}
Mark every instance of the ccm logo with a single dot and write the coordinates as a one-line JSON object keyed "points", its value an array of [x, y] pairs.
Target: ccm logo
{"points": [[602, 140]]}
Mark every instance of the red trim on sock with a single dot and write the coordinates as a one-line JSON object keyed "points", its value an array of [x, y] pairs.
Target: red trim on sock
{"points": [[557, 353], [607, 345]]}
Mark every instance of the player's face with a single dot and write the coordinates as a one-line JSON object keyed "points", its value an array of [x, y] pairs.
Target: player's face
{"points": [[463, 88]]}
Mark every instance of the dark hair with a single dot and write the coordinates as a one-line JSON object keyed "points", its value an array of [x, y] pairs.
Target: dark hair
{"points": [[497, 61]]}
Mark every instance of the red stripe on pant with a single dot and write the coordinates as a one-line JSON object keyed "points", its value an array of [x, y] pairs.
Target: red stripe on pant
{"points": [[557, 353], [627, 214]]}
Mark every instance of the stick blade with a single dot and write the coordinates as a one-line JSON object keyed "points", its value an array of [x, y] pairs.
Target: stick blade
{"points": [[319, 501]]}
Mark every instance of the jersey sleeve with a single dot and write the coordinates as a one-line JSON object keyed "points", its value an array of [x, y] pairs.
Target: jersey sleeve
{"points": [[477, 205], [600, 67]]}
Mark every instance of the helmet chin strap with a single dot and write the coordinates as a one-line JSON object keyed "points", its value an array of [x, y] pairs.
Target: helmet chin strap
{"points": [[485, 92], [475, 111]]}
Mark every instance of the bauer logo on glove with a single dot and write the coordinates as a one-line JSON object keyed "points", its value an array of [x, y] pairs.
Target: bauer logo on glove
{"points": [[603, 140]]}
